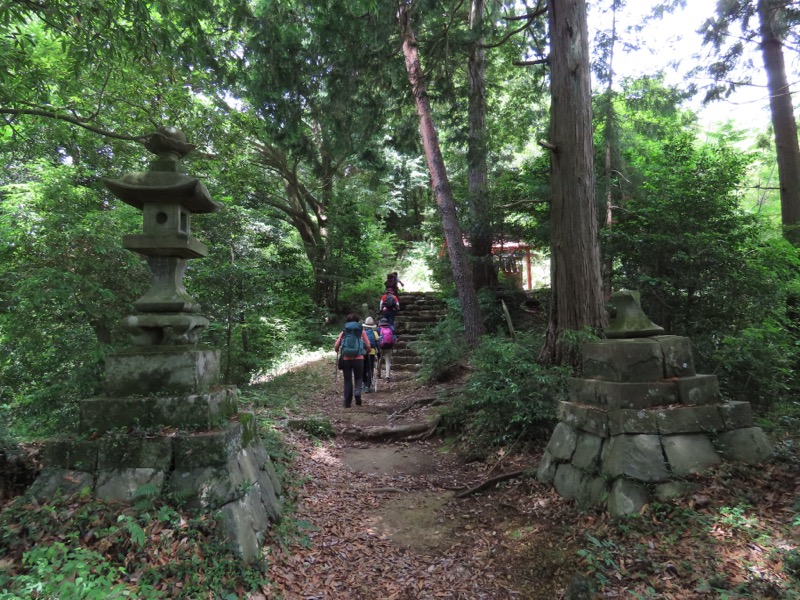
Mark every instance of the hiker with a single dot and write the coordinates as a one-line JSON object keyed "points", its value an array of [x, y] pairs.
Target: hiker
{"points": [[354, 346], [387, 340], [392, 280], [389, 306], [370, 359]]}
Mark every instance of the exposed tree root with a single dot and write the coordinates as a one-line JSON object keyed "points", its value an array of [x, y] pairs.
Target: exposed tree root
{"points": [[366, 488], [419, 402], [410, 432], [489, 483]]}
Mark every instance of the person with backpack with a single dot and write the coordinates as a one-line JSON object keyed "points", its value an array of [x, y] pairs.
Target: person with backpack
{"points": [[391, 283], [389, 306], [352, 346], [370, 359], [386, 341]]}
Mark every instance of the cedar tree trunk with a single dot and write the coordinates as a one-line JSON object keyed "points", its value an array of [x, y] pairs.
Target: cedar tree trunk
{"points": [[577, 298], [783, 123], [481, 237]]}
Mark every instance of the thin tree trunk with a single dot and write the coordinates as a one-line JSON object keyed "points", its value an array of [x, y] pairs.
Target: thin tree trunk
{"points": [[607, 263], [577, 298], [783, 123], [481, 237], [462, 274]]}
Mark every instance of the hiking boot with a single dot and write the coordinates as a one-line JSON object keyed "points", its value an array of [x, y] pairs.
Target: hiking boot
{"points": [[358, 400], [347, 403], [367, 390], [388, 379]]}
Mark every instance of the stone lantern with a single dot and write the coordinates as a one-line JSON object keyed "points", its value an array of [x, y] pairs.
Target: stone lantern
{"points": [[165, 421], [167, 314]]}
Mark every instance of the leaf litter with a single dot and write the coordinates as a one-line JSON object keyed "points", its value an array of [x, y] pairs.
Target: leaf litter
{"points": [[390, 527]]}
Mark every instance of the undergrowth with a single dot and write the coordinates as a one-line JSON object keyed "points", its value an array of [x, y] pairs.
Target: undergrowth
{"points": [[83, 548], [730, 550], [508, 397]]}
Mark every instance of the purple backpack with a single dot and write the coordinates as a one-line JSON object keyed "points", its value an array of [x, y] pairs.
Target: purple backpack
{"points": [[387, 338]]}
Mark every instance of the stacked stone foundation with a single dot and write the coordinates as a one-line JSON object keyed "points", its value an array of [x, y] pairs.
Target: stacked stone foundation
{"points": [[169, 430], [639, 421]]}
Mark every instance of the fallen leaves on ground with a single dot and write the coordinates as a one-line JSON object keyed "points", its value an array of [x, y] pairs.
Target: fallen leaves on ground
{"points": [[520, 539]]}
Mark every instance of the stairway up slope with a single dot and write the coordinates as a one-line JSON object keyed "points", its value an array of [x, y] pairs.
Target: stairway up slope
{"points": [[419, 312]]}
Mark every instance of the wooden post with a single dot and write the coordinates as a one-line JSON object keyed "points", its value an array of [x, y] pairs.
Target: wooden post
{"points": [[528, 265]]}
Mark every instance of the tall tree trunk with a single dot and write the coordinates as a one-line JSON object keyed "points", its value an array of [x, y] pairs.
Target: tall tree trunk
{"points": [[577, 298], [462, 274], [783, 123], [606, 266], [481, 236]]}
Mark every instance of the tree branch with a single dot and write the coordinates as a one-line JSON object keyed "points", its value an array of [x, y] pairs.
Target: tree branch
{"points": [[75, 121], [528, 63], [489, 483], [522, 203], [511, 33]]}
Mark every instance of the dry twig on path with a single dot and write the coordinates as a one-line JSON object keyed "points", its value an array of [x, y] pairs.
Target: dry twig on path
{"points": [[488, 483]]}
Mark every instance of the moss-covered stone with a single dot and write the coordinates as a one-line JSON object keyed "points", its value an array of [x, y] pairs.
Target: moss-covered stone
{"points": [[208, 448], [135, 452], [162, 371], [71, 454]]}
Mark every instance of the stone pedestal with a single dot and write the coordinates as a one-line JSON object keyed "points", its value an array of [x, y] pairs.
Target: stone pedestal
{"points": [[189, 443], [638, 421]]}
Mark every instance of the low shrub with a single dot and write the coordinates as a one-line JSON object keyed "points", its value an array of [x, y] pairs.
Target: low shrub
{"points": [[509, 396], [443, 348]]}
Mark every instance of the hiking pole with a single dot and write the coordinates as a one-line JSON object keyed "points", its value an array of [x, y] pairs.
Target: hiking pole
{"points": [[336, 373]]}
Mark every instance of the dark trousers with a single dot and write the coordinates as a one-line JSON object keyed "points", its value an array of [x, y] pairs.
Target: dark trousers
{"points": [[390, 315], [369, 369], [353, 371]]}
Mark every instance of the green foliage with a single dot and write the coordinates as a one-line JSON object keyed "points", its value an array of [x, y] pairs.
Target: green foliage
{"points": [[83, 548], [442, 347], [318, 427], [704, 268], [67, 573], [757, 364], [509, 397], [64, 270]]}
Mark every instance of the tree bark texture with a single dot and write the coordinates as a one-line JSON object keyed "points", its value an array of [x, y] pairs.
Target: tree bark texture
{"points": [[783, 123], [481, 236], [577, 298], [462, 274]]}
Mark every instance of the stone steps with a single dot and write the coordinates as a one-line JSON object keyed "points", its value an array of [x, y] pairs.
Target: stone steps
{"points": [[419, 312]]}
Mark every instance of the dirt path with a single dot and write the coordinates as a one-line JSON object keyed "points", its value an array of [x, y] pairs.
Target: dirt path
{"points": [[383, 521]]}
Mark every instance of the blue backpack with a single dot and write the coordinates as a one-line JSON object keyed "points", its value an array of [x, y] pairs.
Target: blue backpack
{"points": [[390, 303], [373, 337], [352, 344]]}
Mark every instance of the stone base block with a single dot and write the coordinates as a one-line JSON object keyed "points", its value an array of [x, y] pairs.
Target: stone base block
{"points": [[190, 412], [737, 415], [226, 469], [699, 390], [563, 441], [637, 457], [748, 445], [125, 485], [55, 481], [678, 357], [613, 395], [583, 417], [688, 454], [627, 498], [161, 371], [623, 360]]}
